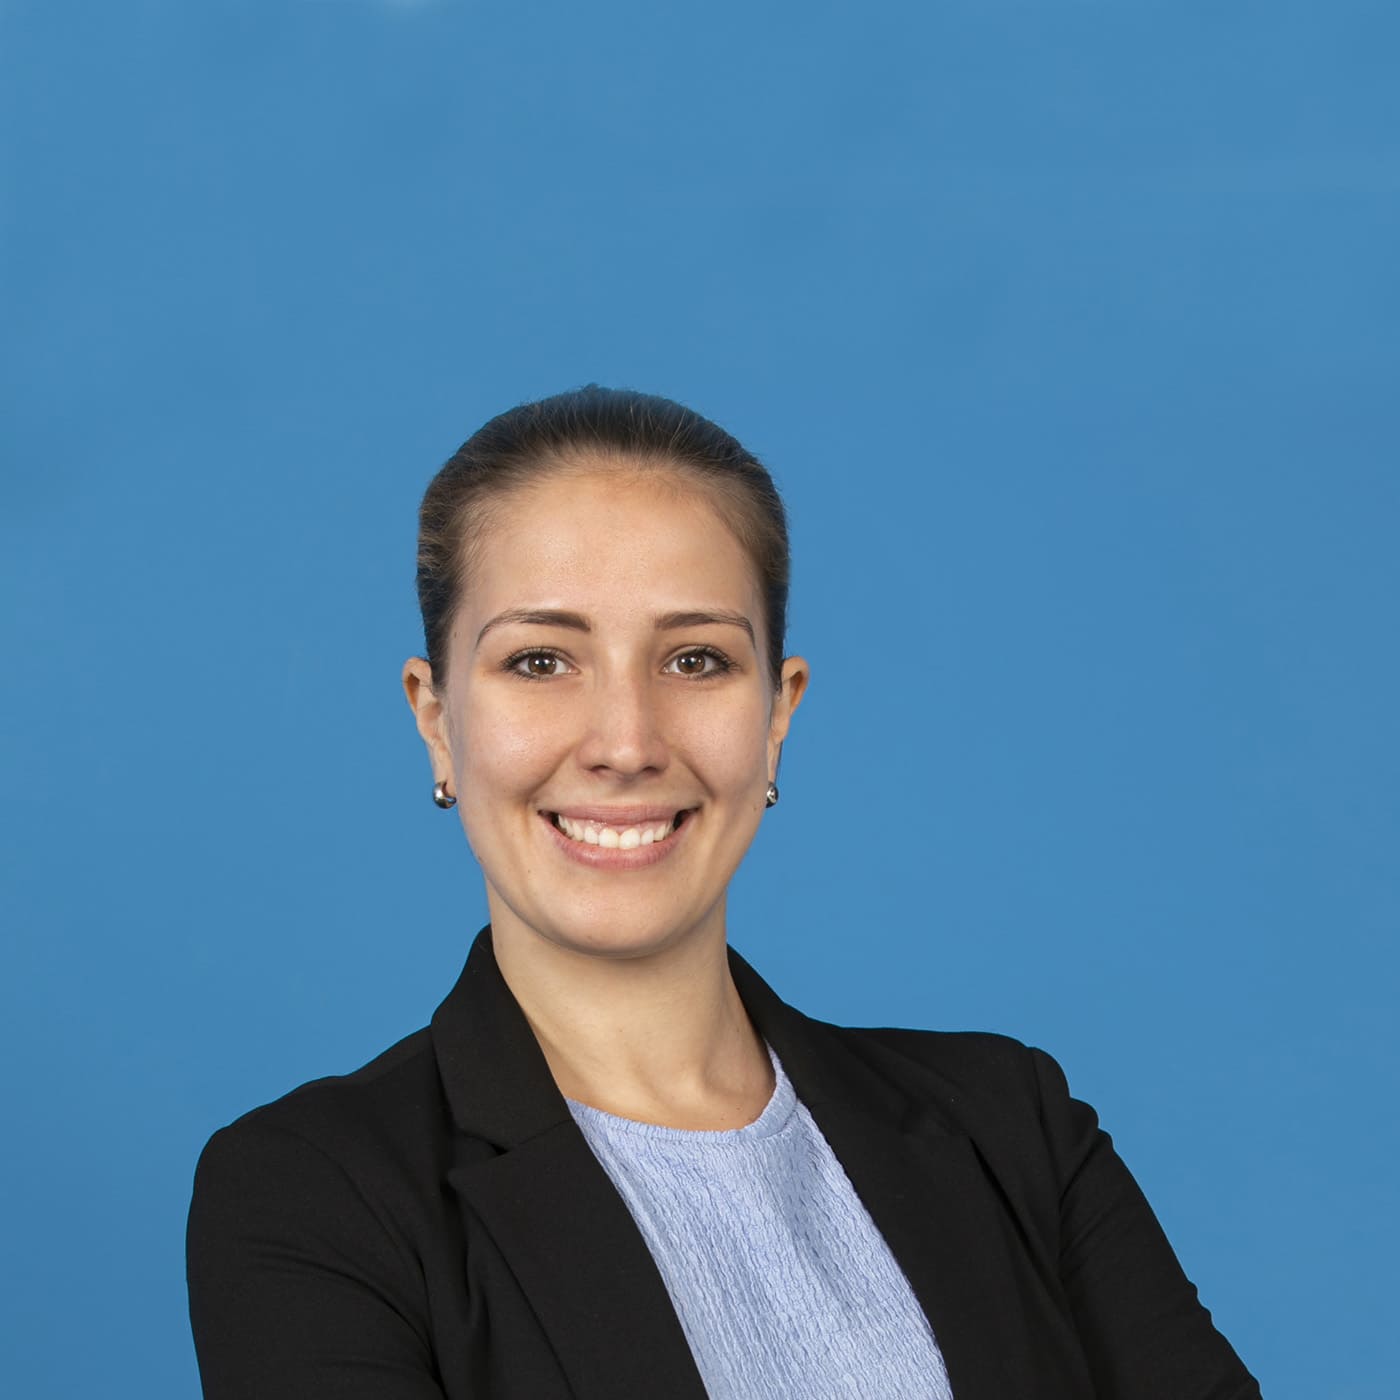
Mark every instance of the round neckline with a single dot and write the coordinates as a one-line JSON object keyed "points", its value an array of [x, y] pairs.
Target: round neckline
{"points": [[777, 1114]]}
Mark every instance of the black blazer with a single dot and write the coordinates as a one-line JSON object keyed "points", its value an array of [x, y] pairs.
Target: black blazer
{"points": [[435, 1227]]}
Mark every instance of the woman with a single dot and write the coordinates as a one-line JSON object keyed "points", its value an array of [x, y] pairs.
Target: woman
{"points": [[616, 1164]]}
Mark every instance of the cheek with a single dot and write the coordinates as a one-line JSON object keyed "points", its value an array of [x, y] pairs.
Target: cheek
{"points": [[730, 747], [507, 746]]}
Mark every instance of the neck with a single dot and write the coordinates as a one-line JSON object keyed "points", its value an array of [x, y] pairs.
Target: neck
{"points": [[662, 1037]]}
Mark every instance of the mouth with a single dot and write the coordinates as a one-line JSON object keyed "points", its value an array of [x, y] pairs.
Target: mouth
{"points": [[622, 831]]}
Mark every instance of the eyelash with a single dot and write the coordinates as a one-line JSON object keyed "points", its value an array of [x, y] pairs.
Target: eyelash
{"points": [[723, 665], [513, 661]]}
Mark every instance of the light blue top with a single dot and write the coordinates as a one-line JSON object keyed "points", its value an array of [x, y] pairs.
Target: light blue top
{"points": [[785, 1288]]}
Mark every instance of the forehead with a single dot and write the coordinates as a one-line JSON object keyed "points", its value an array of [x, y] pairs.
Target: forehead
{"points": [[610, 540]]}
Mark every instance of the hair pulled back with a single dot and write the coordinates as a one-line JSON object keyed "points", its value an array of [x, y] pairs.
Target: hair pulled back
{"points": [[643, 432]]}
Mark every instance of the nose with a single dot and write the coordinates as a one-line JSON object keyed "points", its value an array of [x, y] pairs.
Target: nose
{"points": [[625, 732]]}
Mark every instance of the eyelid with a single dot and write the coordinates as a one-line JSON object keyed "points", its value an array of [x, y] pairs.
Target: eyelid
{"points": [[724, 663], [511, 662]]}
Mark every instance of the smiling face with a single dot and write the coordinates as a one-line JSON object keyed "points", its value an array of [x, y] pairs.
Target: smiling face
{"points": [[608, 720]]}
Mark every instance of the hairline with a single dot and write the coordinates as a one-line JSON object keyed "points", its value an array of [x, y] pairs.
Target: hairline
{"points": [[531, 472]]}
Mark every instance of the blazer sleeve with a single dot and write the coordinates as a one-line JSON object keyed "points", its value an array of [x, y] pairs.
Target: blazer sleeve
{"points": [[298, 1290], [1145, 1333]]}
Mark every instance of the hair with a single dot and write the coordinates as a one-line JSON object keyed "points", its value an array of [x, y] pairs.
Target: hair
{"points": [[638, 431]]}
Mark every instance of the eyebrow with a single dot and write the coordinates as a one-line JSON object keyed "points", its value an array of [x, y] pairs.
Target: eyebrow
{"points": [[539, 617], [576, 622], [671, 622]]}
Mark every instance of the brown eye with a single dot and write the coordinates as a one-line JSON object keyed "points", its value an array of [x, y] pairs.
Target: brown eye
{"points": [[535, 665], [701, 665]]}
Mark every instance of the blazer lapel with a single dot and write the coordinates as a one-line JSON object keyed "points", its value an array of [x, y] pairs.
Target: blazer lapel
{"points": [[548, 1205], [937, 1206], [585, 1268], [931, 1202]]}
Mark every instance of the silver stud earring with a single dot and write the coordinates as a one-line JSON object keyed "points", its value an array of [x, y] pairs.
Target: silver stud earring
{"points": [[441, 796], [770, 798]]}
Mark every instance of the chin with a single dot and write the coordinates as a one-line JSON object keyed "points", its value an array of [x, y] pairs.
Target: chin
{"points": [[605, 928], [618, 937]]}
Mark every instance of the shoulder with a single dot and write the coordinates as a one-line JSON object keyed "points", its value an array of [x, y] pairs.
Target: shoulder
{"points": [[993, 1087], [374, 1131], [387, 1088], [973, 1064], [317, 1216], [973, 1057], [1009, 1099]]}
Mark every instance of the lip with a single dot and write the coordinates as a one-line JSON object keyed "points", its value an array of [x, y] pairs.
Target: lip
{"points": [[615, 858], [618, 817]]}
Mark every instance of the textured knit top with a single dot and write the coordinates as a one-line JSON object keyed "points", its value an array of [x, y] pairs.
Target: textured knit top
{"points": [[783, 1285]]}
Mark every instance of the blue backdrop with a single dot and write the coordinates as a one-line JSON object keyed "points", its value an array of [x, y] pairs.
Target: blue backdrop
{"points": [[1070, 331]]}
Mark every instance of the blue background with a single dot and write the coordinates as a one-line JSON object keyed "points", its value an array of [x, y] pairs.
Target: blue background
{"points": [[1070, 332]]}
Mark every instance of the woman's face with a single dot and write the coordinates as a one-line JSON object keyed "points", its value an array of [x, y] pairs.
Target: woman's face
{"points": [[608, 723]]}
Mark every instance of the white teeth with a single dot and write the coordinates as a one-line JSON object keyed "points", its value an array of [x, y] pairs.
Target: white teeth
{"points": [[626, 838]]}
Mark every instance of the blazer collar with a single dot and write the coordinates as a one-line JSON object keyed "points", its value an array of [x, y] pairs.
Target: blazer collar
{"points": [[928, 1191], [548, 1205], [500, 1088], [578, 1255], [497, 1080]]}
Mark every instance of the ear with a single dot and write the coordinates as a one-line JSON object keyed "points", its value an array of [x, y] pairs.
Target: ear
{"points": [[429, 713], [795, 675]]}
